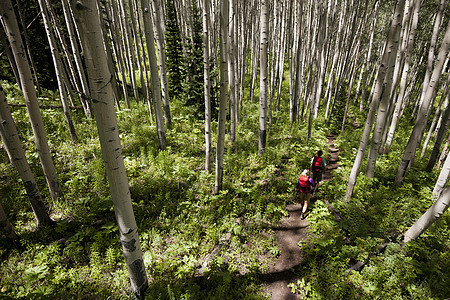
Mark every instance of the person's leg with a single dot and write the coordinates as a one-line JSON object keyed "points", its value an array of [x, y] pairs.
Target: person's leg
{"points": [[302, 202], [307, 196]]}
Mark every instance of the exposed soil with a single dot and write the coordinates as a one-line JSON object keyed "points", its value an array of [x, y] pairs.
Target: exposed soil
{"points": [[288, 233]]}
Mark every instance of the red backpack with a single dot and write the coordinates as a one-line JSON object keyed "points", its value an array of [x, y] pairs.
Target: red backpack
{"points": [[303, 184], [317, 164]]}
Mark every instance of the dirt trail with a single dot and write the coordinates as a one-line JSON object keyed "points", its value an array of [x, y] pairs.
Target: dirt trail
{"points": [[288, 233]]}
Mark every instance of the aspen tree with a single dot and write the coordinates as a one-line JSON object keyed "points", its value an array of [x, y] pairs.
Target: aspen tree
{"points": [[11, 27], [385, 94], [131, 57], [68, 66], [254, 55], [237, 59], [223, 36], [16, 155], [73, 38], [244, 35], [378, 85], [207, 85], [26, 43], [58, 70], [403, 80], [231, 69], [322, 36], [162, 60], [118, 47], [107, 42], [263, 77], [439, 137], [422, 116], [429, 217], [434, 122], [442, 179], [145, 80], [133, 12], [155, 82], [283, 44], [431, 51], [88, 20]]}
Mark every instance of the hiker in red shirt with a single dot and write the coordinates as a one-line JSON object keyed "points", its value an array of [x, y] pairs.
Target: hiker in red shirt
{"points": [[305, 185], [318, 164]]}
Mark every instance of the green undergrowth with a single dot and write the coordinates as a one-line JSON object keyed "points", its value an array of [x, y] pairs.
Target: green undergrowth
{"points": [[181, 221], [179, 218], [370, 231]]}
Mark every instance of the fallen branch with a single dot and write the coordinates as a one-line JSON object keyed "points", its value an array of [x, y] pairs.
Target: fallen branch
{"points": [[360, 264], [333, 210], [216, 250]]}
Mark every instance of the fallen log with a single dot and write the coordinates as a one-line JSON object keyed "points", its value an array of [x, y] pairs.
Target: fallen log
{"points": [[216, 250], [333, 210]]}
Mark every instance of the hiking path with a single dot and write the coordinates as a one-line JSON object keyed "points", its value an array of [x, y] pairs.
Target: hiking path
{"points": [[288, 233]]}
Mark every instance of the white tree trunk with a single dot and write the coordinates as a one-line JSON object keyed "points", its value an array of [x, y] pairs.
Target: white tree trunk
{"points": [[439, 138], [162, 61], [431, 51], [432, 214], [58, 70], [11, 28], [155, 82], [442, 179], [263, 77], [16, 154], [421, 120], [385, 94], [232, 69], [403, 80], [223, 96], [88, 20], [207, 85], [377, 90], [434, 124]]}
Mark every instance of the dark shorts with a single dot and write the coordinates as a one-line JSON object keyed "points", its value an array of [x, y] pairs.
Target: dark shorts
{"points": [[317, 176]]}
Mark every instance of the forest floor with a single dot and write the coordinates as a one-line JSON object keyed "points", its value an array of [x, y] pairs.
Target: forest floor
{"points": [[288, 233]]}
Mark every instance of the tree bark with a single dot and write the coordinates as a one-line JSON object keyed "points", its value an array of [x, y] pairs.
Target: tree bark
{"points": [[162, 62], [377, 90], [73, 38], [16, 154], [439, 138], [431, 51], [429, 217], [385, 94], [434, 124], [422, 117], [88, 20], [11, 28], [155, 82], [263, 77], [207, 85], [442, 179], [223, 96], [402, 88], [58, 70]]}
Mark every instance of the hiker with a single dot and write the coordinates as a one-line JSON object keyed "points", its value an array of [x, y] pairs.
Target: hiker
{"points": [[318, 164], [305, 185]]}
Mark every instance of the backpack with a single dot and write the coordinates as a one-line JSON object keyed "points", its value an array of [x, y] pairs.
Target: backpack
{"points": [[303, 184], [317, 164]]}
